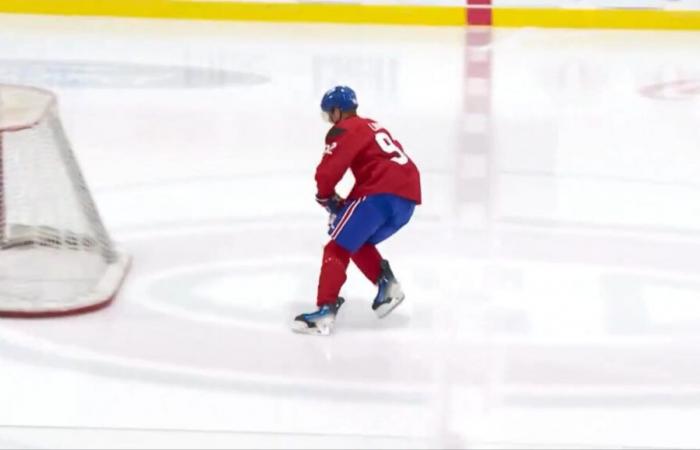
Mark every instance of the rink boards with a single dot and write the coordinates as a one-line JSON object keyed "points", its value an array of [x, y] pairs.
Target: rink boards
{"points": [[639, 14]]}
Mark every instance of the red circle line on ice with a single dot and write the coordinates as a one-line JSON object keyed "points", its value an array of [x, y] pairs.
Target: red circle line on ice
{"points": [[674, 90]]}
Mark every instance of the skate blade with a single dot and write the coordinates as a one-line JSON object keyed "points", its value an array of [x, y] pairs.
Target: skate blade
{"points": [[302, 328], [387, 308]]}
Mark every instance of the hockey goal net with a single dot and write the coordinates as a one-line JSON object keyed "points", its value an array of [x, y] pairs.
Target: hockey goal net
{"points": [[56, 257]]}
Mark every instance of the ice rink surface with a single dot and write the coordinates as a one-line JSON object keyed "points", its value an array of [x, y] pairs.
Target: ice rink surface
{"points": [[553, 274]]}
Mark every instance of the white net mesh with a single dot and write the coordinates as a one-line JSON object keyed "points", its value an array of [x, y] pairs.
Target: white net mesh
{"points": [[55, 254]]}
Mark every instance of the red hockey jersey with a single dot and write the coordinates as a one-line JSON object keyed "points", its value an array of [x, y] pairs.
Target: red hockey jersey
{"points": [[377, 161]]}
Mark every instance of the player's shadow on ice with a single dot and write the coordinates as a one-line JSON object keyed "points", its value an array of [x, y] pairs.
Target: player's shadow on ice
{"points": [[357, 314]]}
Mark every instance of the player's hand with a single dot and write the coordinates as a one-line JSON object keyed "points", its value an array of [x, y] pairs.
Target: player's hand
{"points": [[332, 204]]}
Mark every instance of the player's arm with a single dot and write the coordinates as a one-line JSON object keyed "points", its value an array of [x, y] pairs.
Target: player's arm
{"points": [[341, 149]]}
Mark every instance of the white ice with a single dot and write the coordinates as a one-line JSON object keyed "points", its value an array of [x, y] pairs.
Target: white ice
{"points": [[553, 273]]}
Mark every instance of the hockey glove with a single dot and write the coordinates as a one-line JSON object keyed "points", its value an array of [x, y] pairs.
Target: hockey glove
{"points": [[332, 204]]}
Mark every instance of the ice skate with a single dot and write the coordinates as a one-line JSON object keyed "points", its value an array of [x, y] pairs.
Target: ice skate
{"points": [[320, 322], [389, 294]]}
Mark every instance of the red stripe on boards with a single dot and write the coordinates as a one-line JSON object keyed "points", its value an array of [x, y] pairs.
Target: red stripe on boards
{"points": [[479, 12]]}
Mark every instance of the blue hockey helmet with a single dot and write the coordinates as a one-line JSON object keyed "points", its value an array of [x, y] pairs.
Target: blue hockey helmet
{"points": [[341, 97]]}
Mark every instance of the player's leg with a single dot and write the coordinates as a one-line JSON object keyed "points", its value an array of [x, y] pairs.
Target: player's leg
{"points": [[367, 258], [353, 226], [349, 233], [333, 275], [389, 291], [378, 272], [369, 261]]}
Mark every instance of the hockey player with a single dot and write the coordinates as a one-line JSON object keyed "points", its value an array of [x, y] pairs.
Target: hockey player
{"points": [[386, 192]]}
